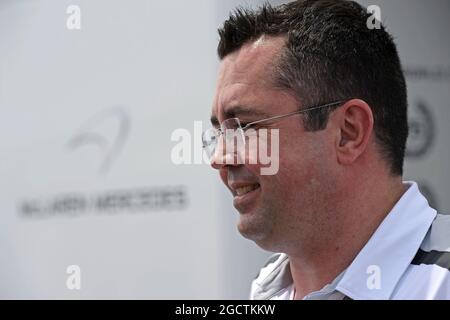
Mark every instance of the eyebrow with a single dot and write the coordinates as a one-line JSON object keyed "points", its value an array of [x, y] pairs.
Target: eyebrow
{"points": [[237, 112]]}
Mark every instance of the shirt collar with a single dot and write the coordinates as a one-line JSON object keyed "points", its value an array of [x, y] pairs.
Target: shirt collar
{"points": [[277, 280], [391, 248]]}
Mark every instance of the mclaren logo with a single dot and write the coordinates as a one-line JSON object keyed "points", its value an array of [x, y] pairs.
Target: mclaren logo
{"points": [[107, 131]]}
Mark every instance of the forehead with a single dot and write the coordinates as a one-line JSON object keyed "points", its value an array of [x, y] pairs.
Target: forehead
{"points": [[245, 76], [252, 61]]}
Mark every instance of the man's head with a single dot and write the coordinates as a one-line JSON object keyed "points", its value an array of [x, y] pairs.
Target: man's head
{"points": [[278, 59]]}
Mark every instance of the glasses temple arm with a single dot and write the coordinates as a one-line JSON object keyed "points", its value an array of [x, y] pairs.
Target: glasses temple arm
{"points": [[292, 113]]}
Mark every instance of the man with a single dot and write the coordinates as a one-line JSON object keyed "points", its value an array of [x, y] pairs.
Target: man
{"points": [[344, 223]]}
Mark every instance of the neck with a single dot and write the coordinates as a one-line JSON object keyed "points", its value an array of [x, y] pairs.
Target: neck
{"points": [[359, 217]]}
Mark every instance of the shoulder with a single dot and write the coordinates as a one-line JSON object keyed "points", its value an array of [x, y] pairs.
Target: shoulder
{"points": [[429, 272], [438, 236], [269, 271]]}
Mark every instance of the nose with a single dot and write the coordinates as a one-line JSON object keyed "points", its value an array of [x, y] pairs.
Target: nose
{"points": [[223, 157]]}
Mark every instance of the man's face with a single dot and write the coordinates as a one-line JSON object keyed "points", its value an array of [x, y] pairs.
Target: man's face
{"points": [[273, 208]]}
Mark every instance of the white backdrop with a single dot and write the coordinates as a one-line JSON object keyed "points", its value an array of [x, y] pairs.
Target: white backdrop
{"points": [[86, 118]]}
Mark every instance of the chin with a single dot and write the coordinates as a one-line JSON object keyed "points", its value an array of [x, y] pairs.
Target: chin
{"points": [[262, 233], [253, 230], [262, 241]]}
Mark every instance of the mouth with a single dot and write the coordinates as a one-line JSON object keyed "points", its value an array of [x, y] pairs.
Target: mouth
{"points": [[246, 189], [245, 197]]}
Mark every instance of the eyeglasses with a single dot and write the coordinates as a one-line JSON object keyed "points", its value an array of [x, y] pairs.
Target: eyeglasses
{"points": [[232, 129]]}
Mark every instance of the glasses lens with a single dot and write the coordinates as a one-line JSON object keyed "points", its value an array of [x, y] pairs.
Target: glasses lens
{"points": [[209, 140], [233, 143], [234, 135]]}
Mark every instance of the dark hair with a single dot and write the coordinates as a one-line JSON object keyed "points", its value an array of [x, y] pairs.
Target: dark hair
{"points": [[331, 54]]}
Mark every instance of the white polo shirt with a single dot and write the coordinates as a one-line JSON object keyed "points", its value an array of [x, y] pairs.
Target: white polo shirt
{"points": [[408, 257]]}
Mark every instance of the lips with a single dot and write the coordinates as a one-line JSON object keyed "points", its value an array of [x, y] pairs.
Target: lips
{"points": [[246, 189], [239, 188], [246, 195]]}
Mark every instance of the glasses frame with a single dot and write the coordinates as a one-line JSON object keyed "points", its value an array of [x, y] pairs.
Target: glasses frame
{"points": [[331, 104], [248, 125]]}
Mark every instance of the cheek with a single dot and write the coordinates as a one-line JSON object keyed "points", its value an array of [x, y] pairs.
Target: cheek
{"points": [[300, 158], [262, 152], [292, 151]]}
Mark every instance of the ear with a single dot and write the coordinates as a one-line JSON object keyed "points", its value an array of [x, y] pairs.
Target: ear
{"points": [[355, 127]]}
